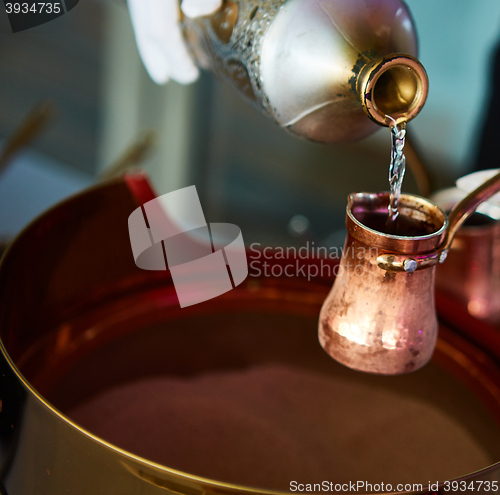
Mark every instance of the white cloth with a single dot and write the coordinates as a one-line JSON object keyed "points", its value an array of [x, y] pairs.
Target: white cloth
{"points": [[197, 8], [470, 182], [159, 36]]}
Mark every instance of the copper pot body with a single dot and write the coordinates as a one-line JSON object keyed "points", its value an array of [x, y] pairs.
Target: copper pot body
{"points": [[376, 320], [472, 269], [471, 273]]}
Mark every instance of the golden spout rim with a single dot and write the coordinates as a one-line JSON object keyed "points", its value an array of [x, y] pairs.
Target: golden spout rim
{"points": [[393, 88]]}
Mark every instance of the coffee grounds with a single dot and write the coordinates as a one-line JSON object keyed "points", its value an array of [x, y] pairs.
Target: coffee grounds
{"points": [[272, 424]]}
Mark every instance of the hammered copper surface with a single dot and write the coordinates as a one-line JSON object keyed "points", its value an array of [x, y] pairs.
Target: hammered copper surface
{"points": [[376, 320]]}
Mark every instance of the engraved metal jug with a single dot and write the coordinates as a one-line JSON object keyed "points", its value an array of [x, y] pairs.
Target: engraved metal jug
{"points": [[318, 68]]}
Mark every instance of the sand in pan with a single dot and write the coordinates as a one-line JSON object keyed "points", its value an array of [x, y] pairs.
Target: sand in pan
{"points": [[269, 425]]}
